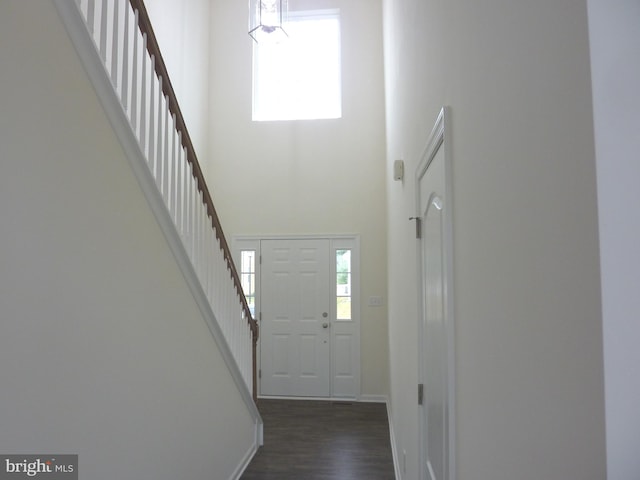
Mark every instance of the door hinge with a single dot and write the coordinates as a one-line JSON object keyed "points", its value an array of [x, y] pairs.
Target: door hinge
{"points": [[420, 393], [260, 373], [260, 316], [418, 226], [260, 260]]}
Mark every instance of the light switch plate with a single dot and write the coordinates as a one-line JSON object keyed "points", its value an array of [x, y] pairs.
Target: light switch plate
{"points": [[375, 301]]}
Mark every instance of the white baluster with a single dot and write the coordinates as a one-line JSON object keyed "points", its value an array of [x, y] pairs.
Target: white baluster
{"points": [[196, 227], [159, 131], [188, 194], [176, 175], [143, 95], [209, 253], [205, 243], [166, 154], [135, 89], [103, 31], [227, 305], [114, 44], [202, 244], [91, 16], [204, 259], [194, 216], [248, 352], [240, 343], [193, 232], [172, 161], [216, 272], [212, 249], [151, 152], [233, 320], [126, 56], [201, 240], [224, 308], [84, 7], [180, 187], [185, 208], [220, 286], [206, 272]]}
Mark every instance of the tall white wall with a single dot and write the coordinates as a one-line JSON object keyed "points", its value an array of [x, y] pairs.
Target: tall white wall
{"points": [[307, 177], [529, 366], [615, 67], [182, 29], [103, 351]]}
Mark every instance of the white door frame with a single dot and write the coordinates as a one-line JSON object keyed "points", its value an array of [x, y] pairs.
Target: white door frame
{"points": [[343, 385], [439, 142]]}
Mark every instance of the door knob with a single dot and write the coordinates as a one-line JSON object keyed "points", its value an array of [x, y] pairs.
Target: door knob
{"points": [[325, 325], [324, 314]]}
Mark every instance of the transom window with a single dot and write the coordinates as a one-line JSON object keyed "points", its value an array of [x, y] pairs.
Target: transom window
{"points": [[300, 78]]}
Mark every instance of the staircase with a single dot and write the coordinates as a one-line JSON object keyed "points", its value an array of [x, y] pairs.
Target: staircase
{"points": [[118, 48]]}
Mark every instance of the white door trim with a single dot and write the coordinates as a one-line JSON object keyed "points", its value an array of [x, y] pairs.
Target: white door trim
{"points": [[438, 139], [341, 385]]}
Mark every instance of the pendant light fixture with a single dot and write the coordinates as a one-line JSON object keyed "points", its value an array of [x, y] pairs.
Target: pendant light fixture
{"points": [[266, 20]]}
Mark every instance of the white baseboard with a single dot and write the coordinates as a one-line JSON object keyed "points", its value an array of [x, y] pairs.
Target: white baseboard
{"points": [[392, 439], [374, 398], [244, 462], [363, 398], [324, 399]]}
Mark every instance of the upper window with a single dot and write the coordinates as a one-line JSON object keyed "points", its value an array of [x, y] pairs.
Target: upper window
{"points": [[299, 78]]}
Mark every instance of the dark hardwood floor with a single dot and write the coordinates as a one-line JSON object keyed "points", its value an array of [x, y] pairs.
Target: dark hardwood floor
{"points": [[322, 440]]}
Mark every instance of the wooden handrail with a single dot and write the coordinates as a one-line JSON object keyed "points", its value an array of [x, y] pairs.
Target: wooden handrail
{"points": [[144, 24]]}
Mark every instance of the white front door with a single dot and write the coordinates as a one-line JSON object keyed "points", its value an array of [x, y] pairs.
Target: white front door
{"points": [[295, 327]]}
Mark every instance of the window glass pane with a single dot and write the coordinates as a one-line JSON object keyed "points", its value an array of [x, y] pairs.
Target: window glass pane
{"points": [[300, 77], [343, 284], [248, 283], [248, 278], [251, 302], [343, 308], [343, 261], [248, 262]]}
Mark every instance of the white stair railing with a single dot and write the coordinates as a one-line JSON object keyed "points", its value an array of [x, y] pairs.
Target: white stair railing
{"points": [[124, 40]]}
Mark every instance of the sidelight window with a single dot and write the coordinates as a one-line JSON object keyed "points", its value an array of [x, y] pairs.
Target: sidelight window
{"points": [[248, 278], [343, 284]]}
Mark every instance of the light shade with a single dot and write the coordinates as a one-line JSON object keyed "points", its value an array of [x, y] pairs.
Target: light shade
{"points": [[266, 20]]}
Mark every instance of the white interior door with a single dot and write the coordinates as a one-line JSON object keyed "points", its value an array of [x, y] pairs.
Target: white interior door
{"points": [[295, 327], [436, 342]]}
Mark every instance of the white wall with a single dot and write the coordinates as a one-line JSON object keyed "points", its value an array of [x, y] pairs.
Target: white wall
{"points": [[182, 29], [103, 351], [615, 67], [307, 177], [526, 271]]}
